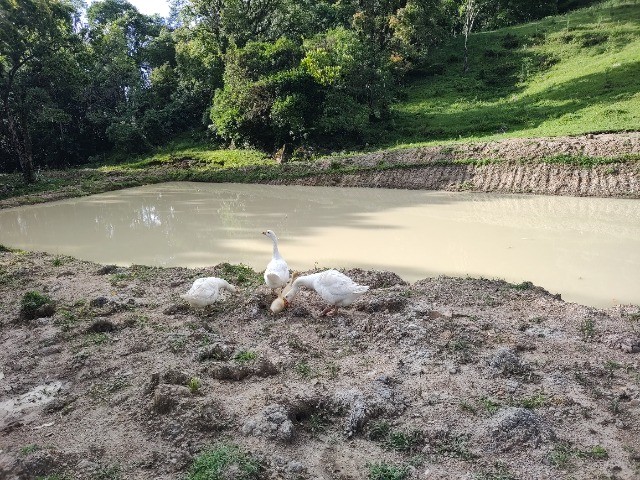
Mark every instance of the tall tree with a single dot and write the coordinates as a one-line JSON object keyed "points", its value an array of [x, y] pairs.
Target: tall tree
{"points": [[31, 32], [469, 13]]}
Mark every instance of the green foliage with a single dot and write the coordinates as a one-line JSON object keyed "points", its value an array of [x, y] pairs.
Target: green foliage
{"points": [[31, 302], [385, 471], [245, 356], [26, 450], [194, 384], [588, 329], [564, 452], [566, 75], [303, 369], [239, 274], [218, 462], [267, 99]]}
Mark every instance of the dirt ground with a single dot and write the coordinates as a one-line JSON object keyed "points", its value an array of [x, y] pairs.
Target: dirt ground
{"points": [[447, 378], [505, 166]]}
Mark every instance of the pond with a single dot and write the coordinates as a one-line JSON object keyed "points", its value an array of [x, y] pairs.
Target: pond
{"points": [[587, 249]]}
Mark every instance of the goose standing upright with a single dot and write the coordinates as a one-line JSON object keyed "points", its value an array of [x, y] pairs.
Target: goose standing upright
{"points": [[335, 288], [276, 275], [206, 291]]}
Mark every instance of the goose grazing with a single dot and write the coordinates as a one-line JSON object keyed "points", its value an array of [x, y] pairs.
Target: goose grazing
{"points": [[334, 287], [206, 291], [279, 304], [276, 274]]}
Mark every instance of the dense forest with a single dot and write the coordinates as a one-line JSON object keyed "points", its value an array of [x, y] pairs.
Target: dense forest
{"points": [[79, 83]]}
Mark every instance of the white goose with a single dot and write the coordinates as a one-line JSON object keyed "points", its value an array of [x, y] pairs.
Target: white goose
{"points": [[276, 274], [206, 291], [334, 287], [279, 304]]}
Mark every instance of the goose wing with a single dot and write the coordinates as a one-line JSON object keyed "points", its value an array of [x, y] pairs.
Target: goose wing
{"points": [[335, 286]]}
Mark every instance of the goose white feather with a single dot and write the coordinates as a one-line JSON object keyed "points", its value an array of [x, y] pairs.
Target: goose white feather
{"points": [[335, 288], [206, 291], [276, 275]]}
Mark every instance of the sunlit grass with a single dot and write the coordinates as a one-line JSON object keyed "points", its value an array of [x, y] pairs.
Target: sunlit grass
{"points": [[564, 75]]}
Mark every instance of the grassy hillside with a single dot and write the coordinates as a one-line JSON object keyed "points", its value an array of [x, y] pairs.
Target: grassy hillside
{"points": [[563, 75]]}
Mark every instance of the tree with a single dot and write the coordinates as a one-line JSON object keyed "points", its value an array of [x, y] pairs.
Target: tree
{"points": [[31, 32], [469, 12]]}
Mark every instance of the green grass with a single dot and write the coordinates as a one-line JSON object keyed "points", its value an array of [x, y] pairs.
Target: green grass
{"points": [[224, 461], [564, 75], [28, 449], [31, 302], [245, 356], [385, 471], [564, 452]]}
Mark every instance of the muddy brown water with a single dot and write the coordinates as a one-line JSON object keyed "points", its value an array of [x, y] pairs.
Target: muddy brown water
{"points": [[586, 249]]}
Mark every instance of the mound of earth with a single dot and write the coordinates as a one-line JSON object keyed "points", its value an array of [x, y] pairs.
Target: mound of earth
{"points": [[445, 378]]}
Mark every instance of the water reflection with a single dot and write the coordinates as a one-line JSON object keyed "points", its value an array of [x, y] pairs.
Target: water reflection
{"points": [[588, 249]]}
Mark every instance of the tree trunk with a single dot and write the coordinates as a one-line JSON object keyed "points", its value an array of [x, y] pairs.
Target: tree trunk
{"points": [[21, 142]]}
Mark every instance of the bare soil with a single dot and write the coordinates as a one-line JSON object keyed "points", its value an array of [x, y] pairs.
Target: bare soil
{"points": [[447, 378], [510, 166]]}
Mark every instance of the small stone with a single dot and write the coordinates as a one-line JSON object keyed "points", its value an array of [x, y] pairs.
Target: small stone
{"points": [[98, 302]]}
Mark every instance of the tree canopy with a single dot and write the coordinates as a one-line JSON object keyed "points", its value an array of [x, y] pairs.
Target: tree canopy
{"points": [[77, 83]]}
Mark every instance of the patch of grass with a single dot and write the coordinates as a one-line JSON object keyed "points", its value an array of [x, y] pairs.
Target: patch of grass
{"points": [[244, 356], [597, 452], [102, 391], [107, 472], [333, 370], [522, 286], [318, 423], [194, 384], [467, 407], [453, 445], [239, 274], [224, 461], [57, 261], [120, 278], [587, 329], [28, 449], [564, 452], [96, 338], [303, 369], [403, 441], [535, 401], [31, 302], [379, 430], [560, 456], [386, 471], [499, 471], [489, 405]]}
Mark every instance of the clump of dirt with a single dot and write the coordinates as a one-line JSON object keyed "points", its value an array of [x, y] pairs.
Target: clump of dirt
{"points": [[444, 378]]}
